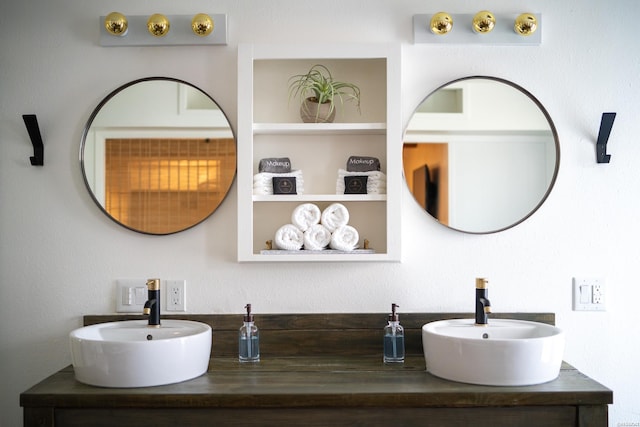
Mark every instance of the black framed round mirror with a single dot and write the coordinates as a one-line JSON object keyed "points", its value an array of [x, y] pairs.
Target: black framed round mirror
{"points": [[480, 154], [158, 155]]}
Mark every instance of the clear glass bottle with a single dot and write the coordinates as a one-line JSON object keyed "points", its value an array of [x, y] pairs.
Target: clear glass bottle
{"points": [[393, 339], [248, 339]]}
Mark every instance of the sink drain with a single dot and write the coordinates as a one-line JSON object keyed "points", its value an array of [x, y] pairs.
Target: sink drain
{"points": [[149, 337]]}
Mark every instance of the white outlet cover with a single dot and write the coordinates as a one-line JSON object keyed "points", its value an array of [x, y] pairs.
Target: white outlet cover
{"points": [[583, 294], [182, 286]]}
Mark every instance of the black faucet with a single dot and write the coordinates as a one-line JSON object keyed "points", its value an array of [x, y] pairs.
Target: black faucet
{"points": [[152, 306], [483, 306]]}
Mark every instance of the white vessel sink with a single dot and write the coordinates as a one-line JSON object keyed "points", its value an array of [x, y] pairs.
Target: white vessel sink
{"points": [[132, 354], [502, 353]]}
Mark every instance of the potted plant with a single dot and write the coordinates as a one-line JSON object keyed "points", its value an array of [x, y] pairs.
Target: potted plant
{"points": [[319, 93]]}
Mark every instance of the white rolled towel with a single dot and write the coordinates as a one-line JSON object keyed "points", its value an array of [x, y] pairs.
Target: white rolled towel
{"points": [[345, 238], [305, 215], [289, 237], [334, 216], [317, 237]]}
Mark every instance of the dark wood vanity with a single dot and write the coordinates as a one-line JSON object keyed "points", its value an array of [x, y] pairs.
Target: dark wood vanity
{"points": [[318, 370]]}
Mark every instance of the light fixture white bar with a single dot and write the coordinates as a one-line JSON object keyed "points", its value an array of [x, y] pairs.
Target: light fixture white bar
{"points": [[180, 33], [462, 32]]}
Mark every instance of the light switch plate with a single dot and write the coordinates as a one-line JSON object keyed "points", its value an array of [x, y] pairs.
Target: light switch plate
{"points": [[588, 294], [131, 294]]}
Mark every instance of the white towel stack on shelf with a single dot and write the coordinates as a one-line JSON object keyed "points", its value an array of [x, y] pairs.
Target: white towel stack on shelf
{"points": [[334, 216], [344, 238], [312, 230], [305, 215], [263, 182], [376, 181], [289, 237]]}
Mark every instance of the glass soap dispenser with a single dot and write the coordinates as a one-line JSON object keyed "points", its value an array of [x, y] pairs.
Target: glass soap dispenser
{"points": [[249, 339], [393, 338]]}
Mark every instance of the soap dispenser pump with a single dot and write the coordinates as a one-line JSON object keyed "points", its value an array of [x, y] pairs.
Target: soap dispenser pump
{"points": [[248, 339], [393, 338]]}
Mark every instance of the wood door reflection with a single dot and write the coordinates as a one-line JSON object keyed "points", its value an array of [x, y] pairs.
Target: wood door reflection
{"points": [[163, 185], [431, 158]]}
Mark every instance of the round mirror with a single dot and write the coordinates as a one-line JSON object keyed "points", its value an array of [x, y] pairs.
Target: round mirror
{"points": [[158, 155], [480, 154]]}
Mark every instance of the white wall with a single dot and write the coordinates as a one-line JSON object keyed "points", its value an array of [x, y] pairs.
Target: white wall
{"points": [[59, 255]]}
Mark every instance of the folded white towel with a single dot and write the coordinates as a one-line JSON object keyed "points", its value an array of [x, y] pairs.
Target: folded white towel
{"points": [[289, 237], [334, 216], [344, 238], [376, 181], [317, 237], [305, 215], [263, 182]]}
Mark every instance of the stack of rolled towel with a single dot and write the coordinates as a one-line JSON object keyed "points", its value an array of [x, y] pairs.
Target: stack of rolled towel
{"points": [[314, 230], [368, 168], [270, 168]]}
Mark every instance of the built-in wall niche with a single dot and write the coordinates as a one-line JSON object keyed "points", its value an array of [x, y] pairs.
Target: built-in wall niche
{"points": [[269, 125]]}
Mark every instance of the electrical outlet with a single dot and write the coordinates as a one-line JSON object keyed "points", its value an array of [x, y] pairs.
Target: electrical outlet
{"points": [[176, 295], [597, 294], [588, 294]]}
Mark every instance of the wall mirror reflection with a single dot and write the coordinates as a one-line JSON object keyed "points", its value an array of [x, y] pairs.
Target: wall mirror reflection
{"points": [[480, 154], [158, 155]]}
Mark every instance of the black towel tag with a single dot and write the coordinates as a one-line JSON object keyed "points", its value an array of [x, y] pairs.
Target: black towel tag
{"points": [[355, 184], [275, 165], [284, 185], [362, 164]]}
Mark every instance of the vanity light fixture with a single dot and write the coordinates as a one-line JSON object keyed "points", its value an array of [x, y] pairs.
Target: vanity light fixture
{"points": [[158, 25], [116, 24], [526, 24], [163, 30], [441, 23], [495, 28], [483, 22], [202, 24]]}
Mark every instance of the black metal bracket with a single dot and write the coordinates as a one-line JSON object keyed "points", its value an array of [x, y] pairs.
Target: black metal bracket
{"points": [[606, 123], [31, 122]]}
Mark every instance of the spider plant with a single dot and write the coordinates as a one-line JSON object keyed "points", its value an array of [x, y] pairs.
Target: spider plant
{"points": [[318, 86]]}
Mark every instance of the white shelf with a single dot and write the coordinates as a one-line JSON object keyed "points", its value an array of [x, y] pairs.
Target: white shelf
{"points": [[319, 128], [322, 198], [268, 127]]}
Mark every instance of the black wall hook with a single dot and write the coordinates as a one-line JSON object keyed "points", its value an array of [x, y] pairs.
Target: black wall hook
{"points": [[31, 122], [606, 123]]}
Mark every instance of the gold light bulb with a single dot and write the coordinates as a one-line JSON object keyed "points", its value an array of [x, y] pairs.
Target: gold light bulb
{"points": [[202, 24], [158, 25], [441, 23], [526, 24], [116, 24], [483, 22]]}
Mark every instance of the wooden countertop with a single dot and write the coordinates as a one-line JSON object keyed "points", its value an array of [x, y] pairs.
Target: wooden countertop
{"points": [[317, 382], [317, 360]]}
